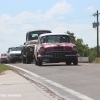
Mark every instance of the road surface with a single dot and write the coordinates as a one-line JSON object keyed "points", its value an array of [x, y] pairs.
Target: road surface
{"points": [[81, 82]]}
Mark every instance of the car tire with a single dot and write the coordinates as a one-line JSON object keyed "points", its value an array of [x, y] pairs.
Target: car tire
{"points": [[31, 58], [24, 60], [68, 62], [28, 60], [39, 62], [75, 62], [36, 62], [12, 61]]}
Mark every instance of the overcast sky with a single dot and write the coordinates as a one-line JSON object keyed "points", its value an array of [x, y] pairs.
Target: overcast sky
{"points": [[19, 16]]}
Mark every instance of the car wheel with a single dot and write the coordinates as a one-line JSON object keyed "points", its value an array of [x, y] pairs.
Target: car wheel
{"points": [[24, 60], [31, 58], [36, 62], [68, 62], [39, 62], [28, 60], [75, 62]]}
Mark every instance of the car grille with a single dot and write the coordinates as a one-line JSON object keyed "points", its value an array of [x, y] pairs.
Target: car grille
{"points": [[58, 54], [3, 58], [18, 55], [58, 48]]}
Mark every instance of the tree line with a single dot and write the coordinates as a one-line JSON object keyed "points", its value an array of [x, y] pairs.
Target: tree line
{"points": [[83, 49]]}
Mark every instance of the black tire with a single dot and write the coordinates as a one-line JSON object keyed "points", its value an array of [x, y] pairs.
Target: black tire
{"points": [[68, 62], [28, 60], [12, 61], [36, 62], [75, 62], [31, 58], [24, 60], [39, 62]]}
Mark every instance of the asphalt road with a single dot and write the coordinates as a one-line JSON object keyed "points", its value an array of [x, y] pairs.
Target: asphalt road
{"points": [[81, 82]]}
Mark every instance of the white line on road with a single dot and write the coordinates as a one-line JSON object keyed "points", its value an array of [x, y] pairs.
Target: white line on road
{"points": [[77, 94]]}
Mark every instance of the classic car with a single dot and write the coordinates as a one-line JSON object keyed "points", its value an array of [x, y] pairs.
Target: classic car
{"points": [[55, 48], [14, 54], [4, 58], [28, 47]]}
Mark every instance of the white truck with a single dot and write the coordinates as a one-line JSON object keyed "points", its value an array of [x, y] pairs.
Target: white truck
{"points": [[14, 54]]}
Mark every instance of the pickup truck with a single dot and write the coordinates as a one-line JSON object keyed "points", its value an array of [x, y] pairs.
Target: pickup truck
{"points": [[14, 54], [28, 47]]}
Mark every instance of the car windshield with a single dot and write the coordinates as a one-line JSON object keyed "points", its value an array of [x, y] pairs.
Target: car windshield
{"points": [[16, 49], [35, 35], [3, 54], [55, 39]]}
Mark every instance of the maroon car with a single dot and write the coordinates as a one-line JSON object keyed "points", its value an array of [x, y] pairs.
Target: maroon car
{"points": [[55, 48]]}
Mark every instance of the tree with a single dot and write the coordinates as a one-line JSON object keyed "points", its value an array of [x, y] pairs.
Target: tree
{"points": [[83, 49], [71, 36], [92, 54]]}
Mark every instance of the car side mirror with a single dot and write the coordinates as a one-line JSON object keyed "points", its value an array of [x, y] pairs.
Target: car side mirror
{"points": [[24, 43]]}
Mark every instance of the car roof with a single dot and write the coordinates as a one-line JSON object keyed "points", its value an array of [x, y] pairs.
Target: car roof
{"points": [[46, 34], [38, 31]]}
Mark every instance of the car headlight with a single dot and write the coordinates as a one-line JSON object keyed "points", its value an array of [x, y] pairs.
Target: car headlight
{"points": [[42, 49], [74, 48], [31, 49]]}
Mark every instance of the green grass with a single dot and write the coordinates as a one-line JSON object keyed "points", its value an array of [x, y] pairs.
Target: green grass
{"points": [[3, 68]]}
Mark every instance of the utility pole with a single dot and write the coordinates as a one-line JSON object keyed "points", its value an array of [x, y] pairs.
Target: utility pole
{"points": [[96, 24]]}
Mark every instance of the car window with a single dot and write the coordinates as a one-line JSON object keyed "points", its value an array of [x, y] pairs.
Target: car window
{"points": [[16, 49], [55, 39], [35, 35], [3, 54]]}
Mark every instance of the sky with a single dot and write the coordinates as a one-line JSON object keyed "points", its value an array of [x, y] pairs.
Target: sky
{"points": [[17, 17]]}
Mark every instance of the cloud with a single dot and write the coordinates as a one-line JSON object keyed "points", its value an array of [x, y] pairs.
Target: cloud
{"points": [[86, 32], [61, 7], [13, 29], [90, 8], [39, 11]]}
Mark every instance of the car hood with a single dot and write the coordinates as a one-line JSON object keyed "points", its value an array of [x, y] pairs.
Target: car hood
{"points": [[58, 46], [32, 43], [15, 52], [46, 45]]}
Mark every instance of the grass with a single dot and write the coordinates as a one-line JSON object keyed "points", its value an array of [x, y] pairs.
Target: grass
{"points": [[96, 60], [3, 68]]}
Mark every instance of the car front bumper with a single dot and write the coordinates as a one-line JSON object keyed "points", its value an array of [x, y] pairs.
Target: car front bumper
{"points": [[50, 58], [16, 58], [4, 60]]}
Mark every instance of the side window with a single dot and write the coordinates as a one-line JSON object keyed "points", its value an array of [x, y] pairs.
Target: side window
{"points": [[38, 40], [43, 39], [68, 38]]}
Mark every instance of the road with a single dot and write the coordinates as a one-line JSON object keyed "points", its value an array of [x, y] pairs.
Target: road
{"points": [[81, 82]]}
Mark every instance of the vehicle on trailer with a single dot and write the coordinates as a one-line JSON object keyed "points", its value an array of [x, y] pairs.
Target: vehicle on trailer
{"points": [[55, 48], [14, 54], [28, 47], [4, 58]]}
